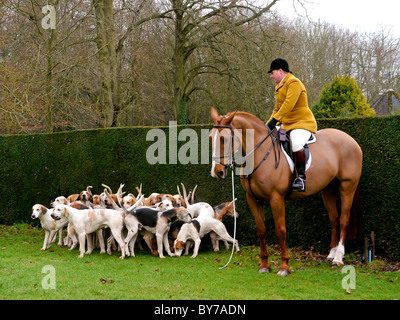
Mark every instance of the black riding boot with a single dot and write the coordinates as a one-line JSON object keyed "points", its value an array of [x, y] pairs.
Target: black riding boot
{"points": [[299, 183]]}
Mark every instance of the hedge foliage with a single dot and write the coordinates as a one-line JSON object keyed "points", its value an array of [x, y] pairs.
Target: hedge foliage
{"points": [[38, 168]]}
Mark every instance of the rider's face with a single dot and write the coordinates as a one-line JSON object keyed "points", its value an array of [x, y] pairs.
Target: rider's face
{"points": [[278, 75]]}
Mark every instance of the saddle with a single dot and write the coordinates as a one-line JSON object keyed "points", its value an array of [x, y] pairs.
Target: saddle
{"points": [[284, 141]]}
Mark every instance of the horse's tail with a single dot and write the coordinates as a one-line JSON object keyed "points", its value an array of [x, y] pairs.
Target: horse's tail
{"points": [[354, 228]]}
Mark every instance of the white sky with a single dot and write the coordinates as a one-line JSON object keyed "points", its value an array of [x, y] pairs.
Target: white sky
{"points": [[361, 15]]}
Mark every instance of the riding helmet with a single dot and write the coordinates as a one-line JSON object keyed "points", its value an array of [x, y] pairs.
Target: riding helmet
{"points": [[279, 63]]}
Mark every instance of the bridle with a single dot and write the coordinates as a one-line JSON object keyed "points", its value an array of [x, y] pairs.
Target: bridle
{"points": [[231, 159]]}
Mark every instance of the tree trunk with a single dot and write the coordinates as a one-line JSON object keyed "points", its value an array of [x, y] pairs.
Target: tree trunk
{"points": [[49, 79], [179, 61], [109, 97]]}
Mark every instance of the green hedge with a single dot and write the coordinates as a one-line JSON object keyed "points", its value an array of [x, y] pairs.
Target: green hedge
{"points": [[38, 168]]}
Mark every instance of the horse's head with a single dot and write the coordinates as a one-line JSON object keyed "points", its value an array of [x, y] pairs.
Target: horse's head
{"points": [[221, 142]]}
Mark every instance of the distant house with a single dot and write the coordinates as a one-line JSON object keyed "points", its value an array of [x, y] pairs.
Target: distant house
{"points": [[388, 103]]}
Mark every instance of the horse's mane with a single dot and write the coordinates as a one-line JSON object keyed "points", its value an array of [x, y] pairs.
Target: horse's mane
{"points": [[252, 117]]}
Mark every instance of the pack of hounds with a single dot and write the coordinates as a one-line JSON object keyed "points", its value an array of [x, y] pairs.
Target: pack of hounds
{"points": [[117, 222]]}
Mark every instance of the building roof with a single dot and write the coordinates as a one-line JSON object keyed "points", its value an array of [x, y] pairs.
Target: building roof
{"points": [[388, 103]]}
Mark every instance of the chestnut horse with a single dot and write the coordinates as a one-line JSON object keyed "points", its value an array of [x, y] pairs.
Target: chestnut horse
{"points": [[336, 164]]}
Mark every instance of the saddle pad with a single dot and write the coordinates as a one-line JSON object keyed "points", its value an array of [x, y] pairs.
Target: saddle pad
{"points": [[290, 161]]}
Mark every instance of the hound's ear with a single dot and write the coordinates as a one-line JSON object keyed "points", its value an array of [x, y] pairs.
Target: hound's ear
{"points": [[66, 212], [79, 197], [214, 114], [43, 209]]}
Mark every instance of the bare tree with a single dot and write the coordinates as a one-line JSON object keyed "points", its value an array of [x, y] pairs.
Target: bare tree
{"points": [[197, 24]]}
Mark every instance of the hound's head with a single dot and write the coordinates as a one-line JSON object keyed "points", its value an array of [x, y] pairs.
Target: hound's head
{"points": [[59, 212], [129, 200], [178, 247], [59, 200], [96, 199], [85, 196], [103, 200], [183, 214], [164, 205], [38, 210], [177, 200]]}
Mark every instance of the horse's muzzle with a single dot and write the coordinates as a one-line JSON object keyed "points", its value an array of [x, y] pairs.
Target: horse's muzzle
{"points": [[221, 174]]}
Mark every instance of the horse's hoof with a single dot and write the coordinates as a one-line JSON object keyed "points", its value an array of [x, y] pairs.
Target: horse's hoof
{"points": [[264, 270], [283, 272]]}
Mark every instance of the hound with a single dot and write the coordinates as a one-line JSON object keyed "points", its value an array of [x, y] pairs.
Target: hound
{"points": [[156, 222], [90, 220], [225, 208], [71, 236], [49, 225], [198, 208], [196, 230], [86, 197]]}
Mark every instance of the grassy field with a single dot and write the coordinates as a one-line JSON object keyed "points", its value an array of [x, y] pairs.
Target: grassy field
{"points": [[146, 277]]}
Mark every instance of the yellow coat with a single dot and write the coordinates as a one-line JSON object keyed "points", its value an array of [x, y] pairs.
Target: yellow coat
{"points": [[291, 107]]}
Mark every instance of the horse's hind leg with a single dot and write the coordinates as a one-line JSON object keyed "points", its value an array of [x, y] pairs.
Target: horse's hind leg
{"points": [[347, 191], [329, 198]]}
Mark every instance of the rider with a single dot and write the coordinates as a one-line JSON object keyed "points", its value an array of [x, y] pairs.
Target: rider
{"points": [[293, 114]]}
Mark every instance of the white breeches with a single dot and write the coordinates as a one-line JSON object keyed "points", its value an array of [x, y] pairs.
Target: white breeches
{"points": [[299, 138]]}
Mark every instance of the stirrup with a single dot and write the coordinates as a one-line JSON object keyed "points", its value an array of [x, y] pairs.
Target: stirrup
{"points": [[299, 185]]}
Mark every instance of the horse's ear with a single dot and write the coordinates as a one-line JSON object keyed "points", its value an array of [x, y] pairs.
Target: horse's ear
{"points": [[230, 117], [214, 114]]}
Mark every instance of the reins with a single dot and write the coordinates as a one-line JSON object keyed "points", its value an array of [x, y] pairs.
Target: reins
{"points": [[231, 164]]}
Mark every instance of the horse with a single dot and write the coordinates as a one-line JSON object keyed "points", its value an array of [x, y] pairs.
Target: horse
{"points": [[336, 165]]}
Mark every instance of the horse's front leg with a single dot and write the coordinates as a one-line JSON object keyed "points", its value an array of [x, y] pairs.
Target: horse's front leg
{"points": [[258, 212], [277, 203]]}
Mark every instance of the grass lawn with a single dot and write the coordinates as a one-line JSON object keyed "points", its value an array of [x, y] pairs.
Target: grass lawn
{"points": [[146, 277]]}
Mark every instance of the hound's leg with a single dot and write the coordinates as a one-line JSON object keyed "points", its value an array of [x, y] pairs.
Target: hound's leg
{"points": [[89, 238], [60, 234], [132, 245], [166, 244], [196, 247], [53, 236], [74, 239], [160, 248], [187, 247], [117, 236], [101, 241], [130, 241], [82, 243], [224, 236], [214, 241], [46, 240]]}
